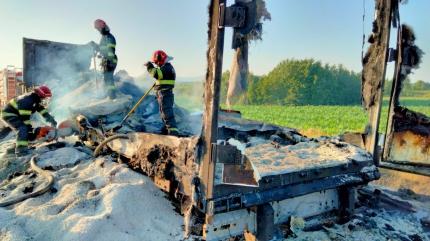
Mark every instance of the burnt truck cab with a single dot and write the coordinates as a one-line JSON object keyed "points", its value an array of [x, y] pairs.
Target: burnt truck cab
{"points": [[241, 176], [264, 175]]}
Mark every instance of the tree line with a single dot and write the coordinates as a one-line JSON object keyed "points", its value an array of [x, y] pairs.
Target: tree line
{"points": [[416, 89], [301, 82]]}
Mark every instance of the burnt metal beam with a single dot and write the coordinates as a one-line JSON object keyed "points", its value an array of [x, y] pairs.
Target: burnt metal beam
{"points": [[211, 98], [374, 69], [270, 182], [347, 198], [237, 201], [393, 98], [403, 167]]}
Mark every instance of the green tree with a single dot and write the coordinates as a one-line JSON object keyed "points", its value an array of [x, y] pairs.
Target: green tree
{"points": [[306, 82]]}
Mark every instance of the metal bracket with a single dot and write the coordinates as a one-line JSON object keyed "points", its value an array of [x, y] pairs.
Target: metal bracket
{"points": [[233, 16]]}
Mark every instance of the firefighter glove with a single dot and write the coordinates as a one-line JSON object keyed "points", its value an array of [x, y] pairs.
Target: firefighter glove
{"points": [[52, 121], [149, 65]]}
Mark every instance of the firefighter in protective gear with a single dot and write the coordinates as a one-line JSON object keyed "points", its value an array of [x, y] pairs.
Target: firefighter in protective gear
{"points": [[106, 50], [165, 76], [17, 114]]}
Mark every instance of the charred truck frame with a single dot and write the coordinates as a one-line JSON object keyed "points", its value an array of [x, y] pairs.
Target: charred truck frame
{"points": [[242, 176]]}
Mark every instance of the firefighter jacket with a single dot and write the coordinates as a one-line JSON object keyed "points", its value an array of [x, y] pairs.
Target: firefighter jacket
{"points": [[107, 47], [165, 76], [25, 105]]}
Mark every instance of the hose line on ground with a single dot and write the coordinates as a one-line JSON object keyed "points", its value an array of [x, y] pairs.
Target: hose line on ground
{"points": [[106, 141], [48, 175]]}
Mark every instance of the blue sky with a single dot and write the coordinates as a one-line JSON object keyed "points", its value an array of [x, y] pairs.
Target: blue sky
{"points": [[326, 30]]}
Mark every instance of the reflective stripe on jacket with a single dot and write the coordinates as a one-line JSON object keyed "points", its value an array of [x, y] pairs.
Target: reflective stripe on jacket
{"points": [[165, 75], [107, 47], [25, 105]]}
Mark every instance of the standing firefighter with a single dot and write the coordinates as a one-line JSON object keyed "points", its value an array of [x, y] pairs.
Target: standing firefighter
{"points": [[106, 49], [17, 115], [165, 76]]}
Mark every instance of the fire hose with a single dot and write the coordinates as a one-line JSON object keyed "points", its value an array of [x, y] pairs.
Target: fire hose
{"points": [[48, 175], [106, 141]]}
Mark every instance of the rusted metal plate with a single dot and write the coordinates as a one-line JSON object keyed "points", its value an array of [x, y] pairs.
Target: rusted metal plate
{"points": [[410, 147], [410, 138], [238, 175]]}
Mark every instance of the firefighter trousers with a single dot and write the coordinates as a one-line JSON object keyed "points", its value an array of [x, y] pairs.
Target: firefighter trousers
{"points": [[165, 100], [109, 67], [24, 132]]}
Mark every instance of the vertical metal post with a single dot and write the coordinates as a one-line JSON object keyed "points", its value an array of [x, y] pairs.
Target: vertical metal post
{"points": [[393, 97], [377, 67], [265, 222], [211, 98], [347, 198]]}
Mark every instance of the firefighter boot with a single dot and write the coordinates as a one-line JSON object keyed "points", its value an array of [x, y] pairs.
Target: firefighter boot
{"points": [[173, 131]]}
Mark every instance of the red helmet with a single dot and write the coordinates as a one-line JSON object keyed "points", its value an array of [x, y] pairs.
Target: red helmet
{"points": [[159, 57], [43, 91], [99, 24]]}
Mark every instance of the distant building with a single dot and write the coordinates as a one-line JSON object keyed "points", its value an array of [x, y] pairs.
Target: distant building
{"points": [[11, 84]]}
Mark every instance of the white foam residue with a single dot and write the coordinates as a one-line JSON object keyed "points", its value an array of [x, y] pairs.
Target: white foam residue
{"points": [[99, 200], [239, 145], [61, 157], [271, 160]]}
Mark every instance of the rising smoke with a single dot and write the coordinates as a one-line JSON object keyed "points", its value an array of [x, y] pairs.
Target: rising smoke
{"points": [[64, 68]]}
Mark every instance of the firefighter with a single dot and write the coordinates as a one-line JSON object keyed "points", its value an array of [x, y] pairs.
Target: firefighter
{"points": [[106, 50], [17, 114], [165, 76]]}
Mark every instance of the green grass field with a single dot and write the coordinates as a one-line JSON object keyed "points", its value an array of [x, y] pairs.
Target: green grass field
{"points": [[317, 120], [411, 101], [310, 120]]}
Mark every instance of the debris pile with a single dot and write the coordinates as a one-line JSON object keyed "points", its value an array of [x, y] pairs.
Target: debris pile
{"points": [[102, 112]]}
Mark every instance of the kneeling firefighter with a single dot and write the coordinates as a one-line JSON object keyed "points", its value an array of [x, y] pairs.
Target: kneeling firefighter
{"points": [[17, 114], [165, 77]]}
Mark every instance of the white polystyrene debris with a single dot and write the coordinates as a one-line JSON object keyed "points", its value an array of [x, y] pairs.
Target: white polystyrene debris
{"points": [[98, 201], [268, 159], [61, 157], [239, 145], [102, 107]]}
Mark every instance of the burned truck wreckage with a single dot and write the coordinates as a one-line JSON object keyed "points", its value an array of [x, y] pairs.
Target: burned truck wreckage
{"points": [[228, 175]]}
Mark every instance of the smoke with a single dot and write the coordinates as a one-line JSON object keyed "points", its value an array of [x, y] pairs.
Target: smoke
{"points": [[65, 69]]}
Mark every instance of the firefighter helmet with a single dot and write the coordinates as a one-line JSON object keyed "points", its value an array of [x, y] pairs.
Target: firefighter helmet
{"points": [[99, 24], [159, 57], [43, 91]]}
